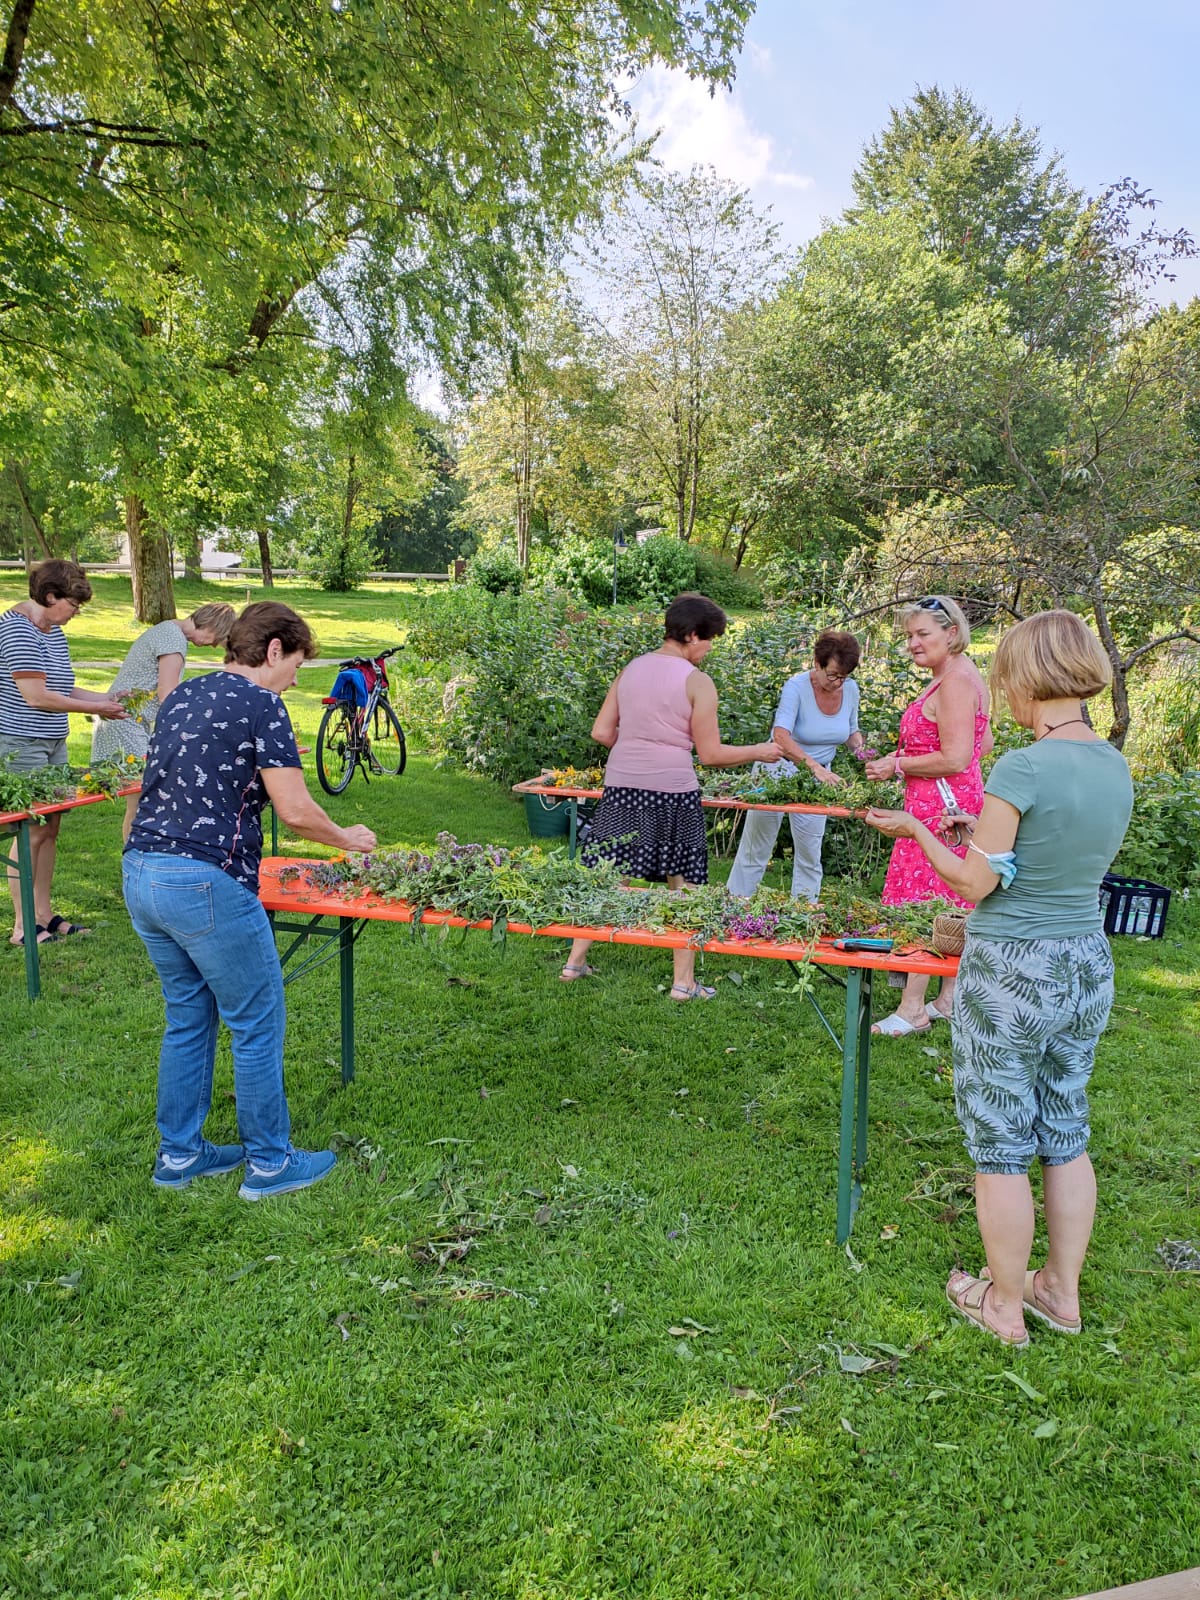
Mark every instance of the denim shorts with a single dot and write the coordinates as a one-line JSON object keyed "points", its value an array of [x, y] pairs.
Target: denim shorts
{"points": [[1028, 1014], [30, 754]]}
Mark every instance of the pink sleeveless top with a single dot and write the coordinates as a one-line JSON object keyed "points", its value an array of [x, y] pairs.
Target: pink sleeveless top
{"points": [[909, 876], [654, 728]]}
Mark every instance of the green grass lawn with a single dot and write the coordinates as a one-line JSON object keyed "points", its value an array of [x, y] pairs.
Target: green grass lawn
{"points": [[568, 1321], [373, 617]]}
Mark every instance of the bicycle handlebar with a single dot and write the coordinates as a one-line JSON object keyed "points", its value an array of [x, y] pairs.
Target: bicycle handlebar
{"points": [[371, 661]]}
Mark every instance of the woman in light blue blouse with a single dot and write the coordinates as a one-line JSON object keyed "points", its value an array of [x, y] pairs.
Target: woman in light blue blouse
{"points": [[817, 712]]}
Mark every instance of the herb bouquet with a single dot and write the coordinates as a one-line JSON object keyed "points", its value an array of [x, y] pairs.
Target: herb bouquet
{"points": [[21, 791], [543, 888]]}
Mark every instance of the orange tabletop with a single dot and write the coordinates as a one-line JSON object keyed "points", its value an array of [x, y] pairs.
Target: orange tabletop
{"points": [[50, 807], [712, 802], [370, 907]]}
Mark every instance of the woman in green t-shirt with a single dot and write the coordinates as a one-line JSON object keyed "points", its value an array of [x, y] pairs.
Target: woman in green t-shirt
{"points": [[1035, 980]]}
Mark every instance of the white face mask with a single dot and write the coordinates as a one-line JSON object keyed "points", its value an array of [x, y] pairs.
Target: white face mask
{"points": [[1004, 864]]}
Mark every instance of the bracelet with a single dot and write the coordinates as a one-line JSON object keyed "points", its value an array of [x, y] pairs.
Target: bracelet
{"points": [[899, 768]]}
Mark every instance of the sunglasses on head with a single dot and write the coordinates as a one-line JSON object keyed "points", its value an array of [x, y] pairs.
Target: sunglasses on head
{"points": [[932, 603]]}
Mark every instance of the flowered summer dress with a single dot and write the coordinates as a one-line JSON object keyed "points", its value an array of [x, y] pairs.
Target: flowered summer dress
{"points": [[909, 875]]}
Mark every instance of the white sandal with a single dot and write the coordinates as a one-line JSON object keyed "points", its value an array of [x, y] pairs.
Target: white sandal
{"points": [[896, 1027], [935, 1014]]}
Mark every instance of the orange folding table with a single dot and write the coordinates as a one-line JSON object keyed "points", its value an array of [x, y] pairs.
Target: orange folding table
{"points": [[20, 822], [572, 797], [323, 924]]}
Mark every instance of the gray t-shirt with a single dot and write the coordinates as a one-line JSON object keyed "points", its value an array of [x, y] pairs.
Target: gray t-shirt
{"points": [[1075, 798], [139, 670]]}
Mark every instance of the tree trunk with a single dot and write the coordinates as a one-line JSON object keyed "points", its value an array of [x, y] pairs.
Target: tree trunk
{"points": [[524, 480], [351, 500], [193, 557], [30, 516], [743, 540], [14, 49], [1120, 691], [150, 562], [264, 557]]}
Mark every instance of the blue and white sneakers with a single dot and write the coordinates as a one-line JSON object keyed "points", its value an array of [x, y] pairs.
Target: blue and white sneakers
{"points": [[299, 1170], [176, 1172]]}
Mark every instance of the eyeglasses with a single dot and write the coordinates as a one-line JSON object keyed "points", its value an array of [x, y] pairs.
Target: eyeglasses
{"points": [[932, 603]]}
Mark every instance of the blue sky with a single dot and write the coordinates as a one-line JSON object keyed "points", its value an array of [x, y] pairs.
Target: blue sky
{"points": [[1112, 89]]}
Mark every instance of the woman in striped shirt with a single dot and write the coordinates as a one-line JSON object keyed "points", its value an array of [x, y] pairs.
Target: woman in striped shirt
{"points": [[37, 692]]}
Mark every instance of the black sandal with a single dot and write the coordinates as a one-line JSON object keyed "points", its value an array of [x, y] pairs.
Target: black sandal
{"points": [[19, 944], [60, 928]]}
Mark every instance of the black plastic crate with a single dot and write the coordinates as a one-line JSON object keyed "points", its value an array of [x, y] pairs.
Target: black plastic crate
{"points": [[1133, 905]]}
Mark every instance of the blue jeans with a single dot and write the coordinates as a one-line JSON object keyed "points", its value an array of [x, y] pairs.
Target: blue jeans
{"points": [[214, 952]]}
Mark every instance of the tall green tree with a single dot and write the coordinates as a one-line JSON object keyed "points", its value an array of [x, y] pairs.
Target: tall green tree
{"points": [[424, 535], [673, 264], [977, 193], [1097, 504], [252, 153]]}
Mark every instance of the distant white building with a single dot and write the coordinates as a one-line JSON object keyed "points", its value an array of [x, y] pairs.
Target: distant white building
{"points": [[214, 563]]}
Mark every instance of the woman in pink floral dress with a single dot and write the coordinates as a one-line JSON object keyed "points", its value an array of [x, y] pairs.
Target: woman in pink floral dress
{"points": [[943, 734]]}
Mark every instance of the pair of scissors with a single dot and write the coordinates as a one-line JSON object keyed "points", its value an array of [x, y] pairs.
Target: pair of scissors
{"points": [[958, 832]]}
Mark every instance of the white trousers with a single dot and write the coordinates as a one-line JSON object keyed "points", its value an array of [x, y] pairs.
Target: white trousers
{"points": [[757, 845]]}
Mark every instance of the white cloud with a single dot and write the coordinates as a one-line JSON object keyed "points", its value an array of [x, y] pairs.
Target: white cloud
{"points": [[696, 128]]}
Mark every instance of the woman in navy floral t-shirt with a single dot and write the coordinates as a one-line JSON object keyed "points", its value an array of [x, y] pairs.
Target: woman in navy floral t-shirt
{"points": [[222, 748]]}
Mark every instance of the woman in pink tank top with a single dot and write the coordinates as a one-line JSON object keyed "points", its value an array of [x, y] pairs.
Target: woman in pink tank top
{"points": [[649, 820]]}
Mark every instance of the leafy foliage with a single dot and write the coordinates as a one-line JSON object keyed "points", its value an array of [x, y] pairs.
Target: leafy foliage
{"points": [[496, 572], [1163, 839]]}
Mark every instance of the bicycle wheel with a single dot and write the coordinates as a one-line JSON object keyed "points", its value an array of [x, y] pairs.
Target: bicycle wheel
{"points": [[387, 745], [337, 748]]}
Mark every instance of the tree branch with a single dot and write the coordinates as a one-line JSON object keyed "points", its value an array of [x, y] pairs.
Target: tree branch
{"points": [[115, 132], [1145, 649]]}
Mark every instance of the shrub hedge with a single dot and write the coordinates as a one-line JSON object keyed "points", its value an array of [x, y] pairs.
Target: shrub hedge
{"points": [[513, 683]]}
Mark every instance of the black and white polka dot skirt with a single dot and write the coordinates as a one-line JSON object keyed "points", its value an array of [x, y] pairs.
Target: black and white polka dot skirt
{"points": [[649, 834]]}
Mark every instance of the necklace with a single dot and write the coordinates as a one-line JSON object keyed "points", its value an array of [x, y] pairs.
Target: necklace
{"points": [[1055, 726]]}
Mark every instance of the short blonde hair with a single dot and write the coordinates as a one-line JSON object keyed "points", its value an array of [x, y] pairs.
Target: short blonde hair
{"points": [[216, 617], [1053, 656], [946, 613]]}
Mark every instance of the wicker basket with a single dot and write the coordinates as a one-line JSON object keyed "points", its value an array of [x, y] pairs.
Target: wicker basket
{"points": [[949, 934]]}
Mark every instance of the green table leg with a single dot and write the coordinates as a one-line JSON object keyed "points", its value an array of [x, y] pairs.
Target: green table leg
{"points": [[33, 974], [847, 1197], [572, 826], [864, 1074], [274, 833], [346, 962]]}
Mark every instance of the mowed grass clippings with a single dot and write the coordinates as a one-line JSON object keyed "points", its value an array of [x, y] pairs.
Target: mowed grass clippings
{"points": [[568, 1320]]}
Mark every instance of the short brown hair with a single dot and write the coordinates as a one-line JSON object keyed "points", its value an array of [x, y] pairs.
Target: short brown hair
{"points": [[947, 613], [261, 622], [1053, 656], [59, 580], [216, 617], [833, 645], [693, 613]]}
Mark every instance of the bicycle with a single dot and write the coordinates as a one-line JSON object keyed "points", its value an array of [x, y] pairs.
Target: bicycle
{"points": [[367, 736]]}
